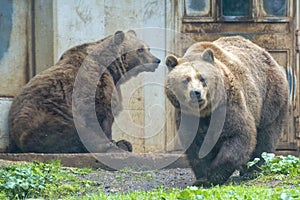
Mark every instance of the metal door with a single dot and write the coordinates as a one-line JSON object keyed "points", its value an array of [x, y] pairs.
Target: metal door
{"points": [[271, 24]]}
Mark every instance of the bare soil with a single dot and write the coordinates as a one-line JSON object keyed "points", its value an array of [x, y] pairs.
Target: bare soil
{"points": [[127, 181]]}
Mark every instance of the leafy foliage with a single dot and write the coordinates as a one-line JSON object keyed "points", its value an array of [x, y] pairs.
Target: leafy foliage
{"points": [[281, 165], [37, 179], [286, 165], [28, 180]]}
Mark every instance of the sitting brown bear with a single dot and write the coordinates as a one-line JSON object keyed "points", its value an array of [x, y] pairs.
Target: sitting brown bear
{"points": [[42, 117], [231, 100]]}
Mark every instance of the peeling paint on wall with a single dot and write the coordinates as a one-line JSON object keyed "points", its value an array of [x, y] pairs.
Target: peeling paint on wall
{"points": [[14, 58], [76, 22], [6, 10]]}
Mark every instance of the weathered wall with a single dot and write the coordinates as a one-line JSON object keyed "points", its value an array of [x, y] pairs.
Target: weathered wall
{"points": [[79, 21], [37, 40], [4, 108], [13, 58], [13, 51]]}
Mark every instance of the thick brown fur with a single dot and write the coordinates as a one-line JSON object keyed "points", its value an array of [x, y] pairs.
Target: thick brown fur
{"points": [[235, 74], [41, 117]]}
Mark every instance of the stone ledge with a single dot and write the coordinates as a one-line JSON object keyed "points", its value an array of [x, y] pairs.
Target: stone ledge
{"points": [[108, 161]]}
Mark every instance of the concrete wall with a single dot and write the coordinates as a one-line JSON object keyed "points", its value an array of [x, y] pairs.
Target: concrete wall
{"points": [[76, 21], [4, 108], [39, 38], [13, 59]]}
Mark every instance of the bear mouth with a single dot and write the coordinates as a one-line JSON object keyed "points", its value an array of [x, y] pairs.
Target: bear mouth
{"points": [[201, 101], [198, 100], [149, 67], [195, 106]]}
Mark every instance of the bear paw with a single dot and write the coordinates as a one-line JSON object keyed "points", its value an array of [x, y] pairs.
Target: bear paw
{"points": [[203, 182], [119, 147], [250, 175], [124, 145]]}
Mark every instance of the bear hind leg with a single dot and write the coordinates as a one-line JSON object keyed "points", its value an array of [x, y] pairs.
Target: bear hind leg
{"points": [[267, 140], [52, 140]]}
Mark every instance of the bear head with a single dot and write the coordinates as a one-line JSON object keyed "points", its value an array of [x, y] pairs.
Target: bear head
{"points": [[194, 84], [124, 54], [136, 55]]}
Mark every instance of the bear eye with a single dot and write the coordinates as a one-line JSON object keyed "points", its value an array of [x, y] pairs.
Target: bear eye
{"points": [[186, 80], [140, 50], [203, 81]]}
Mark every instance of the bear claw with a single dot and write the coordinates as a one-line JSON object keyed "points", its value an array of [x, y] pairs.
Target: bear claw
{"points": [[202, 183], [124, 145]]}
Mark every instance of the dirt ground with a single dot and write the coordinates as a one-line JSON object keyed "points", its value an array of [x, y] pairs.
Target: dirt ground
{"points": [[128, 180]]}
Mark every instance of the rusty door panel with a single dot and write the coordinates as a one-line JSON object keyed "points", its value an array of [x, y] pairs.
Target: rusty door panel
{"points": [[241, 28], [271, 29]]}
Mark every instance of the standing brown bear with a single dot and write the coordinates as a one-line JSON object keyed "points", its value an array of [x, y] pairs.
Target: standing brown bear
{"points": [[81, 85], [231, 100]]}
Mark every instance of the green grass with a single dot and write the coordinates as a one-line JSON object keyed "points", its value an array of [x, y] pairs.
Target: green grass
{"points": [[279, 179], [223, 192]]}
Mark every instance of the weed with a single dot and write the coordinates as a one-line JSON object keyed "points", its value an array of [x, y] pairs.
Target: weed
{"points": [[37, 179], [28, 180], [284, 165]]}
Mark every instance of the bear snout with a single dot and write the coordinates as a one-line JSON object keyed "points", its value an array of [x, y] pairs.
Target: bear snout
{"points": [[157, 61], [195, 94]]}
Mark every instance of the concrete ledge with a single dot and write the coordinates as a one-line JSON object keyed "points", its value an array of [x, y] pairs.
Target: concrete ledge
{"points": [[5, 104], [108, 161]]}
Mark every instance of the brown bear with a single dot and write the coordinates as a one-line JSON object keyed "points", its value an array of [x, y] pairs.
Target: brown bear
{"points": [[231, 103], [42, 116]]}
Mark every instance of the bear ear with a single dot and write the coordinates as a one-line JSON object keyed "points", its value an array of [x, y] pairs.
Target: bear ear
{"points": [[208, 56], [132, 32], [119, 37], [172, 61]]}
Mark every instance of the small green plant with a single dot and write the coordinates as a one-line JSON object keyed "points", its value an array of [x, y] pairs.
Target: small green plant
{"points": [[252, 163], [286, 165], [18, 181], [37, 179]]}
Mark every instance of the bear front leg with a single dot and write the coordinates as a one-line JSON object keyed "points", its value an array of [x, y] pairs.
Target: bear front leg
{"points": [[122, 145], [106, 125], [200, 167], [239, 140]]}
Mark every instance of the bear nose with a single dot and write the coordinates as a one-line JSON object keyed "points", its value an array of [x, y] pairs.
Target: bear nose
{"points": [[195, 94], [157, 61]]}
